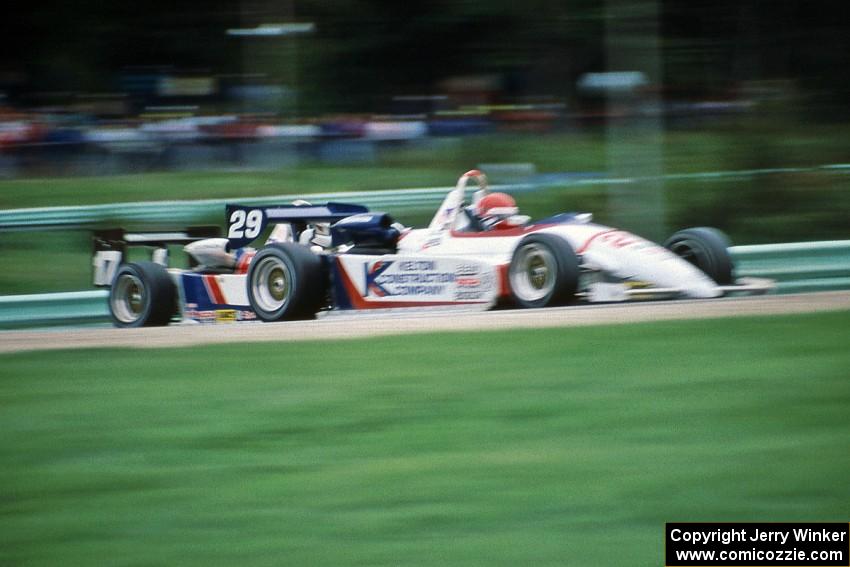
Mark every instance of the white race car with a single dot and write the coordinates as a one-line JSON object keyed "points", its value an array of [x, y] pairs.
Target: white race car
{"points": [[341, 256]]}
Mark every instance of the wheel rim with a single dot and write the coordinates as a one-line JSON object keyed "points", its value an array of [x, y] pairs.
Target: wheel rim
{"points": [[271, 284], [533, 272], [128, 298]]}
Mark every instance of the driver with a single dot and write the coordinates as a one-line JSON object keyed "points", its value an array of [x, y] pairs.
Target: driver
{"points": [[497, 211]]}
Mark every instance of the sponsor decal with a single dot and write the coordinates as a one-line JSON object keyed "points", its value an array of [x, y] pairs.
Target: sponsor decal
{"points": [[471, 283], [621, 239], [468, 295], [409, 277], [212, 316], [394, 281], [468, 282], [373, 287], [225, 315], [618, 239], [200, 315], [467, 270], [433, 241]]}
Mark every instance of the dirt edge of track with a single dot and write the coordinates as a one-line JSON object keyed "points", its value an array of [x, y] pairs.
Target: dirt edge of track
{"points": [[371, 325]]}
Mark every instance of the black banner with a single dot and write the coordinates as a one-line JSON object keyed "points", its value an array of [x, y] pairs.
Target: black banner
{"points": [[758, 544]]}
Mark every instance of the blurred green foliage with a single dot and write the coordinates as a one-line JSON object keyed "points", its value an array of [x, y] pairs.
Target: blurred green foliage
{"points": [[549, 447]]}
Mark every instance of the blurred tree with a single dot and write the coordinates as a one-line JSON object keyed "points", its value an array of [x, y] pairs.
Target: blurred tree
{"points": [[365, 51], [713, 45], [373, 50], [83, 45]]}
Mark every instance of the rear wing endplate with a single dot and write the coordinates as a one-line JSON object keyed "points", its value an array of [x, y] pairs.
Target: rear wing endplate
{"points": [[110, 247]]}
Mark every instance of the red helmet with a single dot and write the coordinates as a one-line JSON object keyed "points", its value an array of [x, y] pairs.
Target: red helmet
{"points": [[495, 208]]}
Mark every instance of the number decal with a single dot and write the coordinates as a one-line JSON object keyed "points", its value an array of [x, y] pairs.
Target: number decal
{"points": [[106, 263], [237, 221], [245, 225], [253, 223]]}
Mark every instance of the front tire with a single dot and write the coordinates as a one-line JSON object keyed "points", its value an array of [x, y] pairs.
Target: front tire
{"points": [[707, 249], [544, 270], [286, 281], [142, 295]]}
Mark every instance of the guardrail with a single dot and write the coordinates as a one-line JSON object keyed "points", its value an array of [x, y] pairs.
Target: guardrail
{"points": [[43, 309], [796, 267]]}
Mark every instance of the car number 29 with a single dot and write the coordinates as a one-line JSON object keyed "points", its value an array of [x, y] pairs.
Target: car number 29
{"points": [[245, 224]]}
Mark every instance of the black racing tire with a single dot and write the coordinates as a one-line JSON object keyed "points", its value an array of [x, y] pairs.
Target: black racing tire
{"points": [[544, 270], [142, 295], [286, 281], [707, 249]]}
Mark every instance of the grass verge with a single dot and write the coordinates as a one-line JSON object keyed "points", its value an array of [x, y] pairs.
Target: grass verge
{"points": [[550, 447]]}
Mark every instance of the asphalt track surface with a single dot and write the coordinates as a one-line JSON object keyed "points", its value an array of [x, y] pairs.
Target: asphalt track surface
{"points": [[371, 324]]}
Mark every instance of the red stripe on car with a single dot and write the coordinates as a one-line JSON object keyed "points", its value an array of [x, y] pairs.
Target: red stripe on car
{"points": [[504, 280], [214, 290], [518, 231], [244, 262], [587, 242]]}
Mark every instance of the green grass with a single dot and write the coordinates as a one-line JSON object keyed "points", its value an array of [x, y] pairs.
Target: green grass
{"points": [[55, 261], [71, 191], [552, 447]]}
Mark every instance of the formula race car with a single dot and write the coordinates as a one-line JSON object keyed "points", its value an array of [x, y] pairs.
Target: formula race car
{"points": [[342, 256]]}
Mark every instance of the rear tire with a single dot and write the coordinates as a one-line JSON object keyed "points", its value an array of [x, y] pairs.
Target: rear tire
{"points": [[544, 271], [142, 295], [707, 249], [286, 281]]}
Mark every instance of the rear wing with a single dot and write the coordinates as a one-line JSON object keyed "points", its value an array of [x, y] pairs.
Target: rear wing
{"points": [[110, 247], [246, 223]]}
